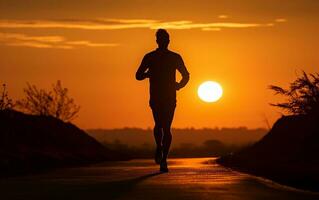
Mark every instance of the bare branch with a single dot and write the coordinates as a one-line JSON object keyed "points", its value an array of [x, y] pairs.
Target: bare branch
{"points": [[55, 103], [302, 95], [5, 102]]}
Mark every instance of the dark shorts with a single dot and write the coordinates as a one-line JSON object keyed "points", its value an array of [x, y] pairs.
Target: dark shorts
{"points": [[163, 114]]}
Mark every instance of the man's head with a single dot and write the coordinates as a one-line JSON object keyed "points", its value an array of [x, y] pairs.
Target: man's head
{"points": [[162, 38]]}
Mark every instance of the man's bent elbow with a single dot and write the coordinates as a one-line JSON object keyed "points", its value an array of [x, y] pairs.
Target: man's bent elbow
{"points": [[186, 77]]}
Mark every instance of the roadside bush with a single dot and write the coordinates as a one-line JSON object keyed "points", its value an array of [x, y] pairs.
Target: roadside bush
{"points": [[55, 102]]}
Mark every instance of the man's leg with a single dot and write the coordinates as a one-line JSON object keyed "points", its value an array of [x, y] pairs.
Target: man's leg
{"points": [[158, 135], [167, 140], [167, 137]]}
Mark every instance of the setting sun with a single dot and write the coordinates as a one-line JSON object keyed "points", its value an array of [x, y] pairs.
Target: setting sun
{"points": [[210, 91]]}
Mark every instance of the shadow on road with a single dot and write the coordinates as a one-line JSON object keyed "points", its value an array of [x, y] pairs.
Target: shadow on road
{"points": [[111, 190], [55, 190]]}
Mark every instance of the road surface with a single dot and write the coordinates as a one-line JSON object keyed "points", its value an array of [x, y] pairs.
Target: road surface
{"points": [[193, 179]]}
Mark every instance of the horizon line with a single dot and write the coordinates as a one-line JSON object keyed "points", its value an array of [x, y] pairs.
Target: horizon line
{"points": [[179, 128]]}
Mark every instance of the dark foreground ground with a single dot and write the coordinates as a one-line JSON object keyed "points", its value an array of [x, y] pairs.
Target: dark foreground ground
{"points": [[195, 178], [288, 154]]}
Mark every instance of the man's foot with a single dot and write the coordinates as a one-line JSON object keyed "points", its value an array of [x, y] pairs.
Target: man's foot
{"points": [[163, 166], [158, 155]]}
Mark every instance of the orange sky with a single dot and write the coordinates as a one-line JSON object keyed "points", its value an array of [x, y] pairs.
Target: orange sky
{"points": [[95, 47]]}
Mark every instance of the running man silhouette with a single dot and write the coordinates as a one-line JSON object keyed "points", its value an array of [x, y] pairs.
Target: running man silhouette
{"points": [[160, 67]]}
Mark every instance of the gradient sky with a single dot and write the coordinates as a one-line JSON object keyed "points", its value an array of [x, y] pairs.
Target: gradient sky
{"points": [[94, 47]]}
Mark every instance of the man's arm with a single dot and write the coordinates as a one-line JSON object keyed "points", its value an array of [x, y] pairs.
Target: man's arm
{"points": [[185, 74], [141, 73]]}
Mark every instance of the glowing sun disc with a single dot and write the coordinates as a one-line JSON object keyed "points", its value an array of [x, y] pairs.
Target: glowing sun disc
{"points": [[210, 91]]}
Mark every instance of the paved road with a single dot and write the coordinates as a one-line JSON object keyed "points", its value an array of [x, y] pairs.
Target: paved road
{"points": [[193, 179]]}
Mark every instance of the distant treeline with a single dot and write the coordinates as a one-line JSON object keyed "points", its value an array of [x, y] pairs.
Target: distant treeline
{"points": [[189, 142], [209, 148], [137, 136]]}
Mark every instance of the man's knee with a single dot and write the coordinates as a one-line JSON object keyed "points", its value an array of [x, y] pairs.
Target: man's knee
{"points": [[157, 128], [167, 131]]}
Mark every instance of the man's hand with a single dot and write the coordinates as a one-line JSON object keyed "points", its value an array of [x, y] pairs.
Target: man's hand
{"points": [[146, 74], [178, 86], [142, 76]]}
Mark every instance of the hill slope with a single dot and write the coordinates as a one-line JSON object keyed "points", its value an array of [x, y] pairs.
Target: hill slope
{"points": [[287, 154], [30, 143]]}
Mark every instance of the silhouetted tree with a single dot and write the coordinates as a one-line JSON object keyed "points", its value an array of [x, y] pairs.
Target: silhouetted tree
{"points": [[55, 103], [64, 107], [302, 97], [5, 101]]}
